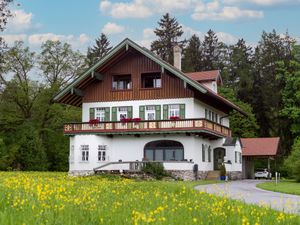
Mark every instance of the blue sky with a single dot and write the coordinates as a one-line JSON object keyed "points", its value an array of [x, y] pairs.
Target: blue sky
{"points": [[80, 22]]}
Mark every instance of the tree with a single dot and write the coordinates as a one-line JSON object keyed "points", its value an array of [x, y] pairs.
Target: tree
{"points": [[238, 73], [211, 51], [192, 60], [99, 50], [168, 33], [292, 163], [5, 13], [59, 63], [290, 73], [241, 126], [20, 89]]}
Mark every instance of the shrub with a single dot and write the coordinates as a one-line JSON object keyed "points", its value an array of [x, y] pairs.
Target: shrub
{"points": [[223, 170], [156, 169]]}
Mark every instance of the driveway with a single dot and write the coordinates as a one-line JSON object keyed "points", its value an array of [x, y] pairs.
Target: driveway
{"points": [[247, 191]]}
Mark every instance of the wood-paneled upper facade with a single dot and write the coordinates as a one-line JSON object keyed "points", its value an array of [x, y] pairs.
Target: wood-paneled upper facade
{"points": [[138, 68]]}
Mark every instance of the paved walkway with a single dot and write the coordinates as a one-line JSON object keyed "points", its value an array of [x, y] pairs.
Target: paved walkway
{"points": [[247, 191]]}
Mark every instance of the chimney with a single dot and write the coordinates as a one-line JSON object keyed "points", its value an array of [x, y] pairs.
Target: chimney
{"points": [[177, 56]]}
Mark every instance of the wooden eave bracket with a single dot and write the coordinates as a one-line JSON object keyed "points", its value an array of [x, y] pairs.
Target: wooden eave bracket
{"points": [[97, 76], [78, 92]]}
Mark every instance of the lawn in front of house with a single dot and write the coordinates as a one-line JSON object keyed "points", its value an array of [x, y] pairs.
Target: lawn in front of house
{"points": [[55, 198], [285, 186]]}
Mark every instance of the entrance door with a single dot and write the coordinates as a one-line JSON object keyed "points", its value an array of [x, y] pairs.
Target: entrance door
{"points": [[219, 154]]}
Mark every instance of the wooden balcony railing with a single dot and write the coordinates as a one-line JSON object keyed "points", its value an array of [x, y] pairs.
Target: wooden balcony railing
{"points": [[149, 126]]}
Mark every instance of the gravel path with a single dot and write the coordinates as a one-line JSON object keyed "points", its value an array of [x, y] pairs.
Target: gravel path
{"points": [[247, 191]]}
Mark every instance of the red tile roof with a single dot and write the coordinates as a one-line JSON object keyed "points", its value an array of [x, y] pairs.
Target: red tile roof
{"points": [[260, 146], [204, 75]]}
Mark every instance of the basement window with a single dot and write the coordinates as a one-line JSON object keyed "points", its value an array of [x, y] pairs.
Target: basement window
{"points": [[151, 80], [122, 82]]}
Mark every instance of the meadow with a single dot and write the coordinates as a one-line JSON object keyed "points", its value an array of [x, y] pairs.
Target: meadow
{"points": [[28, 198]]}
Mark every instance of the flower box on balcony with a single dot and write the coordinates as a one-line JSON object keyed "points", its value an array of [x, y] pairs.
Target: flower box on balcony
{"points": [[94, 121], [174, 117]]}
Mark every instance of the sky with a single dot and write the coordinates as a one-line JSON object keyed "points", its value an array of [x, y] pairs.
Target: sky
{"points": [[79, 22]]}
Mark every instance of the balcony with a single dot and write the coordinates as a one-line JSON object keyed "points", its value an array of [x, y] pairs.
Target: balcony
{"points": [[202, 127]]}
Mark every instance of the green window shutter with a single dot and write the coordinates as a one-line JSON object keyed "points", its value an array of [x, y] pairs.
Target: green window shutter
{"points": [[92, 113], [166, 112], [107, 114], [129, 111], [142, 112], [206, 114], [114, 113], [182, 111], [157, 112]]}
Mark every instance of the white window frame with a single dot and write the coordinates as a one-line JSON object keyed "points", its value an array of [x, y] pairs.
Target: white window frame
{"points": [[174, 110], [100, 114], [150, 109], [122, 111], [84, 153], [102, 153]]}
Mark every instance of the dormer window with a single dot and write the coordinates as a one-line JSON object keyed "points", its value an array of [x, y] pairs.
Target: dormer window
{"points": [[122, 82], [151, 80]]}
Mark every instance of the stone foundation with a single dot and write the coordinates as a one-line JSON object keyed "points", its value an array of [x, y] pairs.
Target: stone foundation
{"points": [[235, 175], [81, 173], [188, 174]]}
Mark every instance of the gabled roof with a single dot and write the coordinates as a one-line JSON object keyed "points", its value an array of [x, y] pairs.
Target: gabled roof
{"points": [[124, 46], [204, 76], [231, 141], [260, 146]]}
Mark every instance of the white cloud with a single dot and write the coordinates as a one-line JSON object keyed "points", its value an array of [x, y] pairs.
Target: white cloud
{"points": [[20, 21], [227, 38], [112, 28], [34, 41], [144, 8], [200, 9], [11, 38], [264, 2], [225, 13], [148, 33], [222, 36]]}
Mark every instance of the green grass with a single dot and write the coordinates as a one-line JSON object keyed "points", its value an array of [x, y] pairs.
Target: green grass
{"points": [[287, 186], [54, 198]]}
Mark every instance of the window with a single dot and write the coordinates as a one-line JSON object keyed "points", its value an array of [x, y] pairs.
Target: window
{"points": [[71, 157], [84, 153], [174, 110], [122, 113], [100, 114], [235, 157], [165, 150], [150, 112], [101, 152], [203, 153], [151, 80], [210, 115], [122, 82], [240, 157], [209, 154]]}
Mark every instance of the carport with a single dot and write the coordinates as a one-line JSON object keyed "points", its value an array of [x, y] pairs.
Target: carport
{"points": [[258, 148]]}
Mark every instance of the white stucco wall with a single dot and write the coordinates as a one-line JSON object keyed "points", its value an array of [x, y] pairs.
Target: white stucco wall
{"points": [[193, 107], [211, 85], [199, 111], [131, 148]]}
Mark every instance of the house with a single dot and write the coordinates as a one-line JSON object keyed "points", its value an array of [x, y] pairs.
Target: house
{"points": [[136, 107]]}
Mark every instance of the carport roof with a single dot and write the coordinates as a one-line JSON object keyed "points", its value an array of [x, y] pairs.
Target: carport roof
{"points": [[260, 146]]}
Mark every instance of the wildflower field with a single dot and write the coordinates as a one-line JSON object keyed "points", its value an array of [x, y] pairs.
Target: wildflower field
{"points": [[54, 198]]}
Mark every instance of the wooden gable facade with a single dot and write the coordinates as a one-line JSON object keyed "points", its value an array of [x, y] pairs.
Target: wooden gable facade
{"points": [[135, 64]]}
